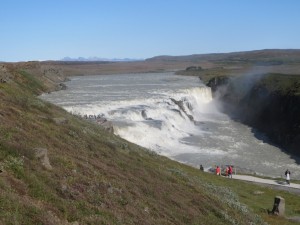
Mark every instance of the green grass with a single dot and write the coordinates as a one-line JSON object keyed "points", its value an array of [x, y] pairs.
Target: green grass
{"points": [[31, 83], [283, 83]]}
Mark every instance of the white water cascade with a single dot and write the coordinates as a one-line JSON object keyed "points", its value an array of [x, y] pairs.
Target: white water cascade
{"points": [[161, 124]]}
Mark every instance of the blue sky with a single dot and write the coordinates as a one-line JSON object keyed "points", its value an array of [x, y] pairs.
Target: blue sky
{"points": [[53, 29]]}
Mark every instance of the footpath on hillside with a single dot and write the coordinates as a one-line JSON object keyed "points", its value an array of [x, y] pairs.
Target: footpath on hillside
{"points": [[281, 185]]}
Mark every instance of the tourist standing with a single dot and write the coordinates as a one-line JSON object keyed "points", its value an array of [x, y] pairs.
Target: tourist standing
{"points": [[227, 171], [230, 171], [201, 168], [287, 176], [218, 171]]}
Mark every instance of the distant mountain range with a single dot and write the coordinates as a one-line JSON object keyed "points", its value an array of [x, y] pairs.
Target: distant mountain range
{"points": [[94, 59]]}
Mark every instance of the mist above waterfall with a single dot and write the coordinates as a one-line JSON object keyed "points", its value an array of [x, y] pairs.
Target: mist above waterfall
{"points": [[239, 85]]}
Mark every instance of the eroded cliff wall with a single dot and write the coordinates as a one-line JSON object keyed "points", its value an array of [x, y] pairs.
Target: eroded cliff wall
{"points": [[267, 102]]}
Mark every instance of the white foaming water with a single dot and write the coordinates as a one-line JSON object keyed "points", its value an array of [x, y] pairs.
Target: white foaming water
{"points": [[174, 116]]}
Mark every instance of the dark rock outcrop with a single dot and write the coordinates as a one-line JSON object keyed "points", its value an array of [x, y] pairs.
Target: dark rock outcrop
{"points": [[181, 106], [4, 74], [62, 86], [216, 83]]}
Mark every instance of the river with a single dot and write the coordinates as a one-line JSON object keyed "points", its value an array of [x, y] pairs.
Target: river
{"points": [[174, 116]]}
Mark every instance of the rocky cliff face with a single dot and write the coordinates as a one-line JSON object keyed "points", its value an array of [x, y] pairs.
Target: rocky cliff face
{"points": [[4, 74], [268, 102]]}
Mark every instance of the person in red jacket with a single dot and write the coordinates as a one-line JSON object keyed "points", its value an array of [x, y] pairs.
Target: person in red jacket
{"points": [[230, 172], [226, 171], [218, 171]]}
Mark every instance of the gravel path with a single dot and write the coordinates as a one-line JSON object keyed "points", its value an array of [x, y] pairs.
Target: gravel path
{"points": [[280, 185]]}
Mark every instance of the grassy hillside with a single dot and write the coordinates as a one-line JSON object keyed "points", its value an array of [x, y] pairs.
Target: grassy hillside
{"points": [[60, 169]]}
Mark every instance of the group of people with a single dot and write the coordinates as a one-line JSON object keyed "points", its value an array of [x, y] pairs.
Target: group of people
{"points": [[228, 171], [99, 116]]}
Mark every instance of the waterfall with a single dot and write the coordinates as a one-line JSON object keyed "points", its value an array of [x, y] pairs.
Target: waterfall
{"points": [[202, 94], [161, 124]]}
